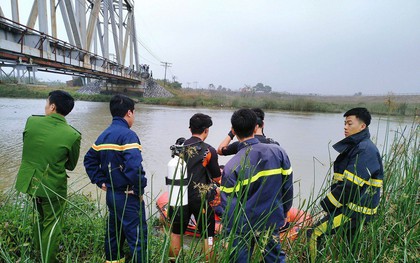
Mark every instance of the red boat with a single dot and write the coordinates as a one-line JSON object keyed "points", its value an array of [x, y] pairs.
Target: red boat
{"points": [[297, 219]]}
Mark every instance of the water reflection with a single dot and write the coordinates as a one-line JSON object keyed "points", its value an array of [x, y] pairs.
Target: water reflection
{"points": [[307, 139]]}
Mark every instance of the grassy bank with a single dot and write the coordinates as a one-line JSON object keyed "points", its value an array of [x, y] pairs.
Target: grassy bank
{"points": [[393, 236], [382, 105], [84, 229]]}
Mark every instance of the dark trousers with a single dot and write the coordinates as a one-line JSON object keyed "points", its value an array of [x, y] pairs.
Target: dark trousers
{"points": [[243, 248], [126, 221], [48, 226], [330, 225], [203, 214]]}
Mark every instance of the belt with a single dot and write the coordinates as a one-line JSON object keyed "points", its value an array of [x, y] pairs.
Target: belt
{"points": [[127, 192]]}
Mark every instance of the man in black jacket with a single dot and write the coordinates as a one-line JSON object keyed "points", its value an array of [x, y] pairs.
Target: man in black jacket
{"points": [[227, 148], [202, 168]]}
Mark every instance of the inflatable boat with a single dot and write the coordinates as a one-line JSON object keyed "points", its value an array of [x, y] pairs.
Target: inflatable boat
{"points": [[297, 220]]}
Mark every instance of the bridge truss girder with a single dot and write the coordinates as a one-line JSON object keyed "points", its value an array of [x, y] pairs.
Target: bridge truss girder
{"points": [[89, 25]]}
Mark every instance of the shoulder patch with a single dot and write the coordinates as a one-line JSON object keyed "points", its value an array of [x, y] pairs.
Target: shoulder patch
{"points": [[76, 130]]}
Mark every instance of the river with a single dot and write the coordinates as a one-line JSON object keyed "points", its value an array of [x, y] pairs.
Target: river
{"points": [[306, 137]]}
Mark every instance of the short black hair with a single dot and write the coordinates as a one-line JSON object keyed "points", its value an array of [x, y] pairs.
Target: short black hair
{"points": [[360, 113], [243, 122], [62, 100], [120, 105], [199, 122], [260, 116]]}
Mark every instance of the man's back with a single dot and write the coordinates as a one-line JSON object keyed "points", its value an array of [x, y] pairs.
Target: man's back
{"points": [[118, 150], [201, 159], [50, 147], [262, 173]]}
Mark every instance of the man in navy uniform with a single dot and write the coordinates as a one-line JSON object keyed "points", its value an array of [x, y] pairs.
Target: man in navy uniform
{"points": [[256, 192], [114, 164], [355, 193]]}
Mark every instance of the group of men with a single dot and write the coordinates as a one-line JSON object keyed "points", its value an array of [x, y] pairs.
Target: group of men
{"points": [[256, 183]]}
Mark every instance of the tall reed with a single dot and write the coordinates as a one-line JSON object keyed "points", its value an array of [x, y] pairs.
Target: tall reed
{"points": [[392, 236]]}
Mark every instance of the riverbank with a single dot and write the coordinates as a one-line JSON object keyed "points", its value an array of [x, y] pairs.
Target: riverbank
{"points": [[398, 105], [393, 235]]}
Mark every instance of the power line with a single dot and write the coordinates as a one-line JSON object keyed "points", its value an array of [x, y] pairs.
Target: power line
{"points": [[166, 65]]}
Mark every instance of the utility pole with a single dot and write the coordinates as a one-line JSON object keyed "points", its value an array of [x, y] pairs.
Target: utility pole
{"points": [[166, 65]]}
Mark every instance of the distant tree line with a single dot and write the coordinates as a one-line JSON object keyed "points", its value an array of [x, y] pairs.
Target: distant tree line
{"points": [[262, 88], [257, 88]]}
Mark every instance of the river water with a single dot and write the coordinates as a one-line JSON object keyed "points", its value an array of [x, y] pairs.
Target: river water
{"points": [[306, 137]]}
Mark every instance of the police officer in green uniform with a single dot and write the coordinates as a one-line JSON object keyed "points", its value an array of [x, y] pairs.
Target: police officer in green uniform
{"points": [[50, 146]]}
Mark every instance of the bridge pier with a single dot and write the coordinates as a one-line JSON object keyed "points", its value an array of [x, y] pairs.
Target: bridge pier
{"points": [[18, 72]]}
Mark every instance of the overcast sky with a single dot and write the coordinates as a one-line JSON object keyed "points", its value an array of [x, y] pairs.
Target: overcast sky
{"points": [[300, 46], [324, 46]]}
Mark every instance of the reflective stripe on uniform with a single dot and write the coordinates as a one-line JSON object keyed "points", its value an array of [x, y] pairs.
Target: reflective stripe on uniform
{"points": [[322, 229], [254, 178], [116, 261], [116, 147], [362, 209], [375, 182], [352, 206], [353, 178], [338, 177], [333, 200], [357, 180]]}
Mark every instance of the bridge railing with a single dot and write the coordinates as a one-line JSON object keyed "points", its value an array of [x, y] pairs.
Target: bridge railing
{"points": [[23, 44]]}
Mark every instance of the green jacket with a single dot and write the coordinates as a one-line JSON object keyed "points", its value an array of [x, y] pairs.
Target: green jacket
{"points": [[50, 146]]}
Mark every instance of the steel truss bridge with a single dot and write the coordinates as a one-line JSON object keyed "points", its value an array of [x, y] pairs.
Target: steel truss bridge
{"points": [[96, 30]]}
